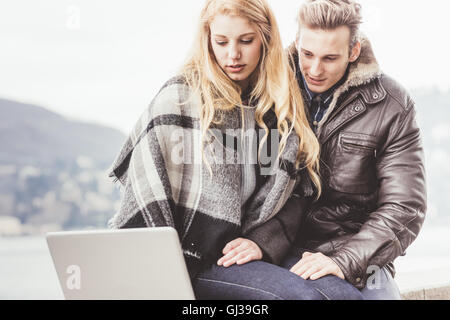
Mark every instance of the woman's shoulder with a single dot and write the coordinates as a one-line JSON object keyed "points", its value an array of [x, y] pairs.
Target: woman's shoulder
{"points": [[177, 80], [174, 97], [174, 84]]}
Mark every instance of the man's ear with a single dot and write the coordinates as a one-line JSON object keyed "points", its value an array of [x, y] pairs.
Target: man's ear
{"points": [[356, 51]]}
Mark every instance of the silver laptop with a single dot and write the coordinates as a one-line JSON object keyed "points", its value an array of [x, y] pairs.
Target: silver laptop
{"points": [[145, 263]]}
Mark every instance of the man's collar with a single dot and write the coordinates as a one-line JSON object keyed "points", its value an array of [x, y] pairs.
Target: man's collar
{"points": [[326, 96]]}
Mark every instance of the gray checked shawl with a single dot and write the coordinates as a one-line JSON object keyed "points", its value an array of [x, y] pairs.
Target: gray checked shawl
{"points": [[165, 182]]}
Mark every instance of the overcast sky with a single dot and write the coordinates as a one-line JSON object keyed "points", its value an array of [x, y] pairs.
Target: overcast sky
{"points": [[103, 61]]}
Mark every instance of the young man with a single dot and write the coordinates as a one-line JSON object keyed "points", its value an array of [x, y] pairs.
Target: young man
{"points": [[373, 202]]}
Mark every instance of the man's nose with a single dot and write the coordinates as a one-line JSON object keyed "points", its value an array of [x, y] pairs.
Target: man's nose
{"points": [[316, 68]]}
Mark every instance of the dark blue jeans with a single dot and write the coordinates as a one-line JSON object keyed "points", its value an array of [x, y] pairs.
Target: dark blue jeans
{"points": [[258, 280], [381, 287]]}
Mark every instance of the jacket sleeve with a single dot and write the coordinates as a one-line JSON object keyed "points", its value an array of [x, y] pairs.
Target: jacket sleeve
{"points": [[401, 205], [276, 236]]}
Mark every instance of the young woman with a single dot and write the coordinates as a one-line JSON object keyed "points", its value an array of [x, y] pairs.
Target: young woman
{"points": [[218, 153]]}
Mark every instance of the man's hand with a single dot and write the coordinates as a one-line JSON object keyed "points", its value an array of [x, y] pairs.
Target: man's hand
{"points": [[240, 251], [315, 266]]}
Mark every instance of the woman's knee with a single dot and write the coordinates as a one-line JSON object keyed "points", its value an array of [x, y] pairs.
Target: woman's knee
{"points": [[210, 289], [381, 287], [253, 281]]}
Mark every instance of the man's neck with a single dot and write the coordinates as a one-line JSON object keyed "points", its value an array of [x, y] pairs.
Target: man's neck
{"points": [[328, 93]]}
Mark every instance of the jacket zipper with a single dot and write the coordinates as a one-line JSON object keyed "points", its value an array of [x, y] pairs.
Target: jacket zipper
{"points": [[337, 110], [358, 146]]}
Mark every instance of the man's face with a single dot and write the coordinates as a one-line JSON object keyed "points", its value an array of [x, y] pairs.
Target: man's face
{"points": [[324, 56]]}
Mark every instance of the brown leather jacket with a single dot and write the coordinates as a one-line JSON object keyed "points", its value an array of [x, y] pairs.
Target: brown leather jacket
{"points": [[373, 178]]}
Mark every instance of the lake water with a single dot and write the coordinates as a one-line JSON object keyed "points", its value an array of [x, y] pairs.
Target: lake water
{"points": [[27, 272]]}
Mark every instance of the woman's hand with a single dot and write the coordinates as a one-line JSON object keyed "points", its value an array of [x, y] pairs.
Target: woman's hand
{"points": [[240, 251], [315, 266]]}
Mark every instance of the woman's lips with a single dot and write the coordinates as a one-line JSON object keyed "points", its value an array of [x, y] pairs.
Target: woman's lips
{"points": [[236, 68]]}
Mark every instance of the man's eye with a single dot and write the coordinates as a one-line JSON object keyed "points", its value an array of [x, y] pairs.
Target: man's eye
{"points": [[330, 59]]}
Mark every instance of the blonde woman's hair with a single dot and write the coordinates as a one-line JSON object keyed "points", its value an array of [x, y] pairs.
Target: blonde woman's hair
{"points": [[273, 82], [331, 14]]}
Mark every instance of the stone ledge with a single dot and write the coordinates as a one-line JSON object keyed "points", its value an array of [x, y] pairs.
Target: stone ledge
{"points": [[430, 293], [426, 284]]}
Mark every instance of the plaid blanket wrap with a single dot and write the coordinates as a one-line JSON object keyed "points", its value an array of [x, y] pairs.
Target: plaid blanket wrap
{"points": [[164, 181]]}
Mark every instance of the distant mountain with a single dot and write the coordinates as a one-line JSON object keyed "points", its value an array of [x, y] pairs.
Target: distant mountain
{"points": [[30, 134], [53, 170]]}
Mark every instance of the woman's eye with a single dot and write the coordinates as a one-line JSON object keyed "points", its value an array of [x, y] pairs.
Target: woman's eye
{"points": [[221, 43], [246, 41]]}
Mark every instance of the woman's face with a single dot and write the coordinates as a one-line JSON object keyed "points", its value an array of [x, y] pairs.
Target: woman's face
{"points": [[237, 47]]}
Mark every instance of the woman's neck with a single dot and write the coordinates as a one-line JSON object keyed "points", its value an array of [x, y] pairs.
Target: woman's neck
{"points": [[244, 84], [245, 95]]}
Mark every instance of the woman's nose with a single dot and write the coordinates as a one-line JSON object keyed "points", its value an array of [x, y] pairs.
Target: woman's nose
{"points": [[234, 52]]}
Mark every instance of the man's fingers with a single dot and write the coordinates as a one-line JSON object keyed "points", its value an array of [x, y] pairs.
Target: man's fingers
{"points": [[301, 267], [308, 257], [321, 273], [296, 266], [315, 266], [308, 265], [310, 271]]}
